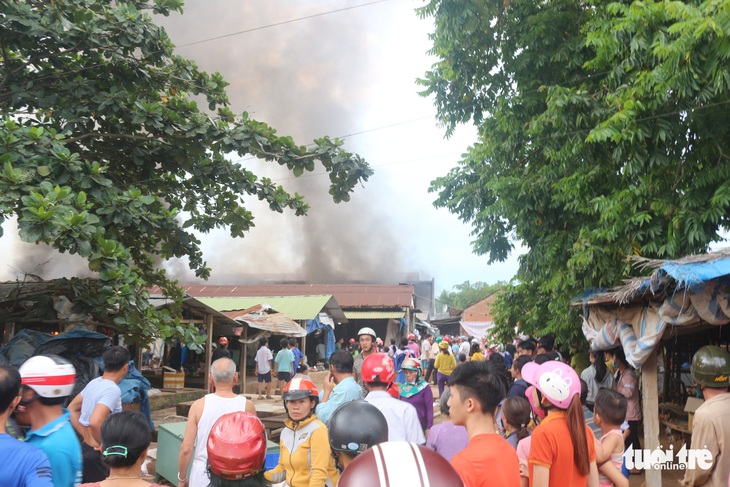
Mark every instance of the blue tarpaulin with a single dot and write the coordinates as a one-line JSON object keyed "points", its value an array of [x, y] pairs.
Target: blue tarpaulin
{"points": [[135, 388], [697, 273], [329, 333]]}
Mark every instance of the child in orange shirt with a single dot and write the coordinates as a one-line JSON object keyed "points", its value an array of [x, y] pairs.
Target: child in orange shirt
{"points": [[562, 453]]}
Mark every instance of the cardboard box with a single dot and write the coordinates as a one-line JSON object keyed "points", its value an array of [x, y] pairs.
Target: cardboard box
{"points": [[690, 407], [173, 380]]}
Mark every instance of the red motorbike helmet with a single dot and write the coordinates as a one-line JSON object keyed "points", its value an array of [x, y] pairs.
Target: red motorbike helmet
{"points": [[399, 463], [378, 367], [237, 446]]}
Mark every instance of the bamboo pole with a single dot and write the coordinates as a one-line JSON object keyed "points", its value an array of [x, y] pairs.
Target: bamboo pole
{"points": [[209, 348]]}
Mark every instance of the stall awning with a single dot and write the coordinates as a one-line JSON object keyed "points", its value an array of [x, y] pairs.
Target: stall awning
{"points": [[374, 315], [679, 297], [295, 307], [274, 323]]}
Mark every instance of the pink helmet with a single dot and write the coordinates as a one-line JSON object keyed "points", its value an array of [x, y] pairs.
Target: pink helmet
{"points": [[557, 381], [534, 405]]}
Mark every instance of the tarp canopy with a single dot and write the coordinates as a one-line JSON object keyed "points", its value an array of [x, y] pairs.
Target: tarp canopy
{"points": [[680, 297], [275, 323]]}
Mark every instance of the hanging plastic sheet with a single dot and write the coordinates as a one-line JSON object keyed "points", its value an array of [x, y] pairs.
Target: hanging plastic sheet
{"points": [[329, 333]]}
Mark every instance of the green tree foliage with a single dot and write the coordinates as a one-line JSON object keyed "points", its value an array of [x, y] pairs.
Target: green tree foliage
{"points": [[466, 294], [105, 153], [604, 132]]}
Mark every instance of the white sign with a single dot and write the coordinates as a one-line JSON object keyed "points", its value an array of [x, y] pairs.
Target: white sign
{"points": [[658, 459]]}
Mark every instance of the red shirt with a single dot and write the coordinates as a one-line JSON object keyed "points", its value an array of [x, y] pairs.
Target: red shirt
{"points": [[488, 460]]}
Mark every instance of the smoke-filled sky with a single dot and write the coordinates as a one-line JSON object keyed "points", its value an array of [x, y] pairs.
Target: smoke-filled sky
{"points": [[326, 67]]}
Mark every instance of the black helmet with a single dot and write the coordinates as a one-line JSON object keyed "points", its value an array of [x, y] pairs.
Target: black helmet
{"points": [[356, 426], [711, 366]]}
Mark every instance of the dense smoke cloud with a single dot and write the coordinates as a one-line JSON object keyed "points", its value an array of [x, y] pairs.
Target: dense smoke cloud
{"points": [[307, 79]]}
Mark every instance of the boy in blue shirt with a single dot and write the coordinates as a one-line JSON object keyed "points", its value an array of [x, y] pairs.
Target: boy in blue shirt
{"points": [[47, 381]]}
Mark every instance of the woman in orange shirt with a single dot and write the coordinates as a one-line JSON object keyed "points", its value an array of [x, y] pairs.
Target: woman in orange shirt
{"points": [[563, 452]]}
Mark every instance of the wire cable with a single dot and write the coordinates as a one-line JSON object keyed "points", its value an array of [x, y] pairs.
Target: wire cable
{"points": [[283, 22]]}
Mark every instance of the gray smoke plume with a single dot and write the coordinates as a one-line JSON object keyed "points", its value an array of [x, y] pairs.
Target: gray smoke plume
{"points": [[304, 79]]}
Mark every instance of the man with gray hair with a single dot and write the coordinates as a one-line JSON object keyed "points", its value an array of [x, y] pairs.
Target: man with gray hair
{"points": [[202, 416]]}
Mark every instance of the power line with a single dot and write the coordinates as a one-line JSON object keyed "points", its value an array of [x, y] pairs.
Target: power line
{"points": [[284, 22]]}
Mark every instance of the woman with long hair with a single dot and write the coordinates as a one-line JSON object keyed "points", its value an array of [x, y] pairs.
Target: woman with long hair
{"points": [[627, 383], [562, 452], [515, 418], [125, 438], [596, 376]]}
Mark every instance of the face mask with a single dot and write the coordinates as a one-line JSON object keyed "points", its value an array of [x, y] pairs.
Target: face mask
{"points": [[613, 363]]}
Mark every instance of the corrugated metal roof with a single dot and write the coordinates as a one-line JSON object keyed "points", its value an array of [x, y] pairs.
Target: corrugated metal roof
{"points": [[347, 295], [295, 307], [374, 315]]}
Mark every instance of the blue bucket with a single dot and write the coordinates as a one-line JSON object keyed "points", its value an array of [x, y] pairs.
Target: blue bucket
{"points": [[272, 460]]}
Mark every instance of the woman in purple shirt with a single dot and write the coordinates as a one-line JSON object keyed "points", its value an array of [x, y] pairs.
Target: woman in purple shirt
{"points": [[447, 439], [417, 392]]}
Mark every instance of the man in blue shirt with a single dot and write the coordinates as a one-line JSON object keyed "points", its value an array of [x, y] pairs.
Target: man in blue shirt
{"points": [[100, 398], [22, 465], [298, 355], [347, 389], [47, 381]]}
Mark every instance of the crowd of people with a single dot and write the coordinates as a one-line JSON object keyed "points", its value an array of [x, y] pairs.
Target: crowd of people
{"points": [[513, 416]]}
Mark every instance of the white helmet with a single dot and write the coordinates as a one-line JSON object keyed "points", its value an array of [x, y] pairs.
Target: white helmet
{"points": [[367, 331], [49, 376]]}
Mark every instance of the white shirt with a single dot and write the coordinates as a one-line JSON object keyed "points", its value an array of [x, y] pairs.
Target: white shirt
{"points": [[464, 348], [213, 408], [263, 359], [402, 418], [425, 350]]}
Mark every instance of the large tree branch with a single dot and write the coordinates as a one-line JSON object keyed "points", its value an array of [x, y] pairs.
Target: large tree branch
{"points": [[112, 136]]}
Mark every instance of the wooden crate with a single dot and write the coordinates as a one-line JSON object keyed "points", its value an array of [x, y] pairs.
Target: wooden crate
{"points": [[173, 380]]}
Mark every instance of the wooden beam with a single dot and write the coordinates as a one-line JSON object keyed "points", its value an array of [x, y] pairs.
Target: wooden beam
{"points": [[244, 361], [650, 395], [208, 350]]}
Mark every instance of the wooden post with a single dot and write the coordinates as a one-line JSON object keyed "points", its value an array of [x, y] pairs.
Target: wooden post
{"points": [[303, 349], [650, 395], [208, 350], [244, 360]]}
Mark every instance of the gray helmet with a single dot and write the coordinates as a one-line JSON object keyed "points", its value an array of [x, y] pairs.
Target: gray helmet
{"points": [[711, 366], [356, 426]]}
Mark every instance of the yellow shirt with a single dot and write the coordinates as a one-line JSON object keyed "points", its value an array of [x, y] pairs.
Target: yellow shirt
{"points": [[304, 457], [445, 363], [477, 356]]}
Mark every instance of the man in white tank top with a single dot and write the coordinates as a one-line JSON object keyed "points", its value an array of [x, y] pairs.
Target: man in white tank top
{"points": [[202, 416]]}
